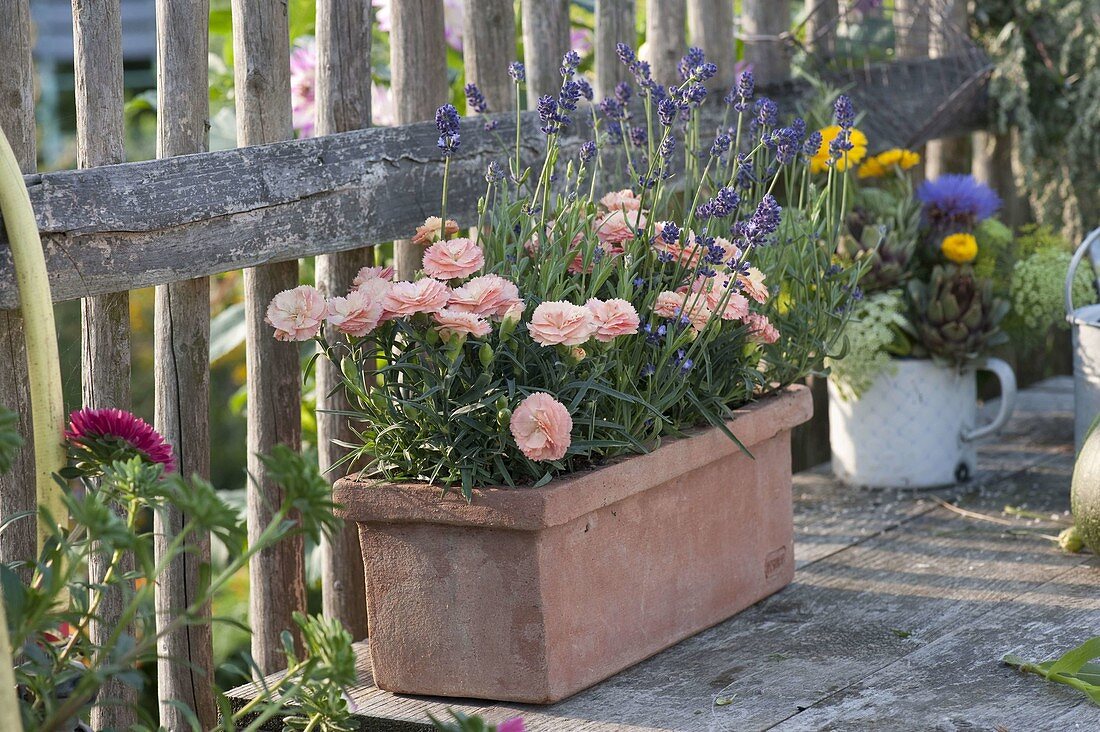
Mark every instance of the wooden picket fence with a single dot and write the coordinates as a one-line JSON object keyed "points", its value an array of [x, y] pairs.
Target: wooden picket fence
{"points": [[174, 222]]}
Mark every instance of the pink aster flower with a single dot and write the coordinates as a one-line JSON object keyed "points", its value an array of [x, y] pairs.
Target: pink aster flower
{"points": [[104, 431], [541, 426], [760, 328], [613, 318], [373, 273], [451, 322], [430, 230], [753, 284], [355, 315], [453, 259], [296, 315], [624, 199], [615, 227], [423, 296], [303, 79], [489, 295], [561, 323]]}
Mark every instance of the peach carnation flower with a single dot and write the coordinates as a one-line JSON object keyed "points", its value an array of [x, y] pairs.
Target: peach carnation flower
{"points": [[761, 329], [451, 322], [561, 323], [453, 259], [753, 284], [716, 289], [729, 249], [423, 296], [373, 273], [296, 315], [355, 315], [489, 295], [685, 251], [541, 426], [675, 305], [429, 231], [618, 226], [618, 200], [613, 318]]}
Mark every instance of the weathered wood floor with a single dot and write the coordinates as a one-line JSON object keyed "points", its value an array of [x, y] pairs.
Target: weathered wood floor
{"points": [[897, 619]]}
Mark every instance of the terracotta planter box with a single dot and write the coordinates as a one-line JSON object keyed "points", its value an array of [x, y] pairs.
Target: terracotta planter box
{"points": [[532, 595]]}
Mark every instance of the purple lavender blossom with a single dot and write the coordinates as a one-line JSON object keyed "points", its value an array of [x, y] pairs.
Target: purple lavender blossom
{"points": [[475, 100], [623, 92], [766, 112], [955, 201], [585, 87], [670, 233], [446, 121], [587, 152], [720, 146], [812, 144], [517, 71], [691, 60], [625, 53], [548, 114], [494, 173], [667, 111], [569, 63], [843, 112]]}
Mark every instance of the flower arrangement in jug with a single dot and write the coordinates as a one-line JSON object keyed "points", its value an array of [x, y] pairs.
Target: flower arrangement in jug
{"points": [[660, 267]]}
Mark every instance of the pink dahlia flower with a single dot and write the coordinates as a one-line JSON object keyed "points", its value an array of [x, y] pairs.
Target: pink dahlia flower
{"points": [[108, 427], [561, 323], [541, 426], [489, 296], [613, 318], [453, 259], [296, 315], [423, 296]]}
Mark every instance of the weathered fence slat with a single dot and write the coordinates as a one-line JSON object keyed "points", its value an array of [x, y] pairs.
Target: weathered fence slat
{"points": [[147, 223], [343, 103], [664, 38], [261, 52], [185, 663], [947, 31], [17, 486], [545, 41], [710, 27], [614, 25], [97, 54], [485, 54], [763, 23], [820, 22], [419, 68]]}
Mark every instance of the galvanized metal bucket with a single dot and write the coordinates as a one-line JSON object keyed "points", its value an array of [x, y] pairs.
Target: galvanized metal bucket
{"points": [[1086, 342]]}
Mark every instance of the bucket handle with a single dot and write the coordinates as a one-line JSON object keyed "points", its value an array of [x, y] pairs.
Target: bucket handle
{"points": [[1007, 378], [1088, 246]]}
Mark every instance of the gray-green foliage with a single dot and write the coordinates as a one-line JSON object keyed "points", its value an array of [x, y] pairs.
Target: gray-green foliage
{"points": [[1047, 84], [875, 334], [1076, 668]]}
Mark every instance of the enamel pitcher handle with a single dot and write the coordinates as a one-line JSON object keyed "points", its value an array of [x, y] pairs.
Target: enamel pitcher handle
{"points": [[1008, 400]]}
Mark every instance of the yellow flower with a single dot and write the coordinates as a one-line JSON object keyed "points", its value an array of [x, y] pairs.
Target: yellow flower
{"points": [[884, 162], [820, 161], [960, 248]]}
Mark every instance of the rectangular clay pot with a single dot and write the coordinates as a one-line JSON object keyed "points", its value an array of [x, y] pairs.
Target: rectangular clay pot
{"points": [[531, 595]]}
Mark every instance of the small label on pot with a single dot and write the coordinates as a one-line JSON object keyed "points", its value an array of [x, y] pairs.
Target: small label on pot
{"points": [[775, 561]]}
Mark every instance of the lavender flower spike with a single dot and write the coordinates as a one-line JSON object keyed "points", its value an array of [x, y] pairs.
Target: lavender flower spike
{"points": [[446, 121], [517, 71]]}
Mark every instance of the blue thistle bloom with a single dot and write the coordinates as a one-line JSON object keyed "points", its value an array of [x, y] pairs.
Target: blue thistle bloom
{"points": [[667, 111], [569, 63], [588, 151], [625, 53], [720, 146], [586, 88], [446, 121], [843, 112], [692, 59], [517, 71], [475, 100], [493, 173], [623, 93], [954, 201]]}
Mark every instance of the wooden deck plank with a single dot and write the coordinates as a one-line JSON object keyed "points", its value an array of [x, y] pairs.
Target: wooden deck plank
{"points": [[886, 580]]}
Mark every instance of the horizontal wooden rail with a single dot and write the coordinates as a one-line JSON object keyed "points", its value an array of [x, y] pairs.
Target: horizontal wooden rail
{"points": [[141, 224]]}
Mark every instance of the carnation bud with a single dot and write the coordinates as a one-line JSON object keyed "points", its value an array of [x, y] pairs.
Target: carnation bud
{"points": [[504, 417], [577, 354], [511, 320], [485, 355]]}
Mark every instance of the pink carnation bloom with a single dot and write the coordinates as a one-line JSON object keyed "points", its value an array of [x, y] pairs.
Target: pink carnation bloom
{"points": [[453, 322], [760, 328], [689, 305], [373, 273], [90, 426], [624, 199], [303, 78], [684, 252], [753, 284], [296, 315], [429, 231], [423, 296], [613, 318], [489, 295], [729, 249], [541, 426], [718, 288], [355, 315], [561, 323], [618, 226], [453, 259]]}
